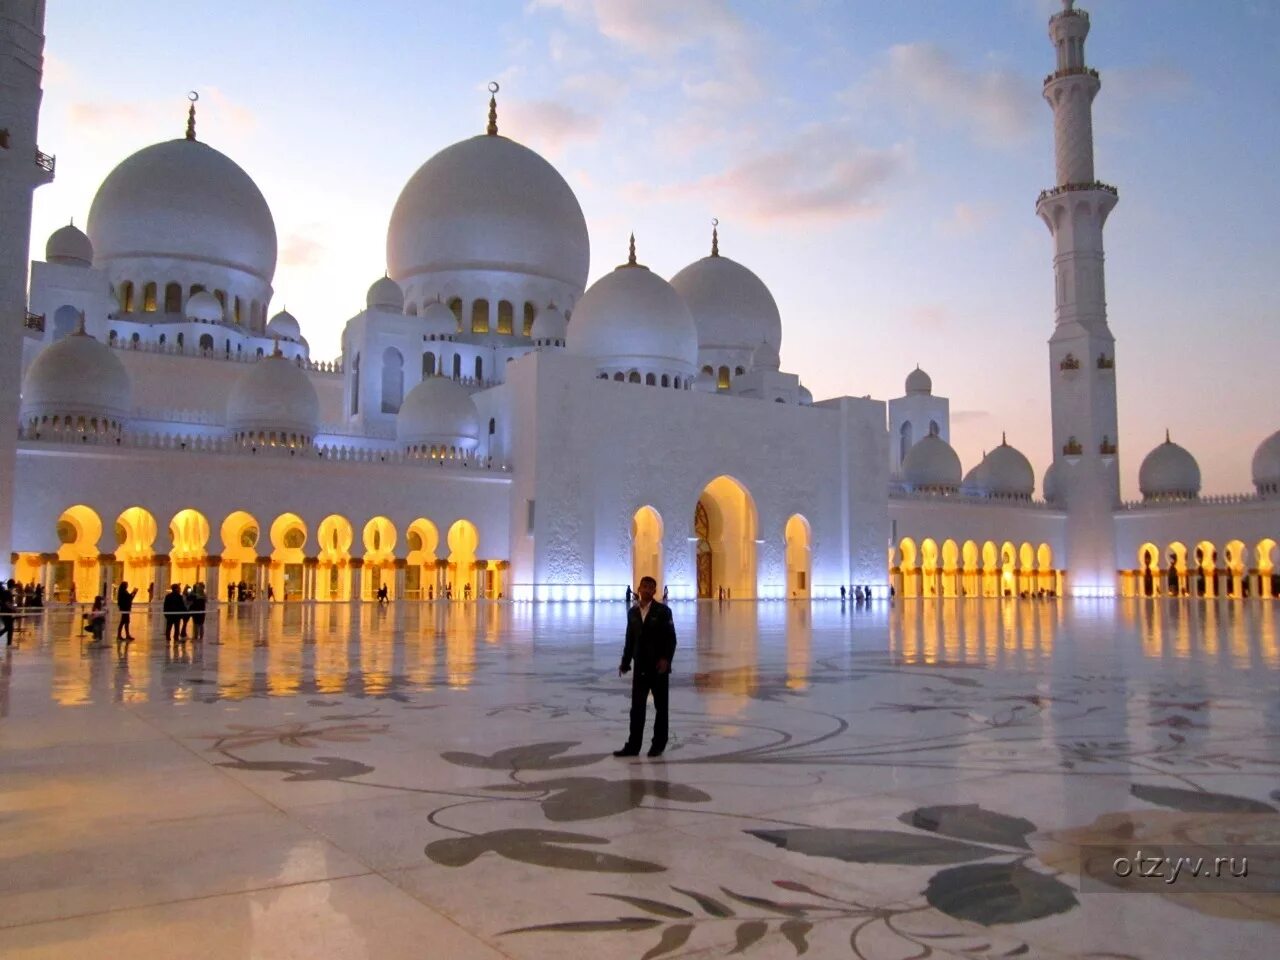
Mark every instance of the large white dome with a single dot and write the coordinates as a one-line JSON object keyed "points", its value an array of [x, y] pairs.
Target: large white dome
{"points": [[931, 465], [77, 377], [185, 200], [1266, 465], [69, 246], [1169, 472], [731, 306], [274, 395], [1009, 473], [439, 413], [632, 317], [488, 203]]}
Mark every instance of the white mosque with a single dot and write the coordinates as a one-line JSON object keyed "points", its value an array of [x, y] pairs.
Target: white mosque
{"points": [[489, 428]]}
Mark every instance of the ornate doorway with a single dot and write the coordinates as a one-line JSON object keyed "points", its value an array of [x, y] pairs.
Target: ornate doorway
{"points": [[701, 530]]}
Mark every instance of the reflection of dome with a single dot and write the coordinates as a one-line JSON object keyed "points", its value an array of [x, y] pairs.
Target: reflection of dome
{"points": [[632, 317], [1266, 466], [1169, 472], [488, 203], [918, 382], [184, 199], [385, 294], [766, 357], [931, 465], [1009, 474], [284, 325], [550, 326], [203, 307], [77, 377], [438, 321], [68, 245], [1049, 484], [272, 402], [731, 306], [438, 413]]}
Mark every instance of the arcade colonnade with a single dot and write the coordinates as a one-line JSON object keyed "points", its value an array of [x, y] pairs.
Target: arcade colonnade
{"points": [[1236, 569], [335, 561], [970, 569]]}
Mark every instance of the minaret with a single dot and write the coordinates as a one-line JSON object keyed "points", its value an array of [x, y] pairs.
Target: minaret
{"points": [[22, 168], [1082, 349]]}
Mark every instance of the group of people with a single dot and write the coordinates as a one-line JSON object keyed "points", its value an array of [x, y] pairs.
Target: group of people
{"points": [[242, 592], [860, 593], [183, 609]]}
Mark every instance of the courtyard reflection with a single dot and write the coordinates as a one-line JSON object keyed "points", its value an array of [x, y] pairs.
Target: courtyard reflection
{"points": [[730, 653]]}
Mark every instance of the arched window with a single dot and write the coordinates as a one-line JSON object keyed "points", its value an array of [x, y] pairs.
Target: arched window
{"points": [[239, 312], [506, 316], [65, 320], [480, 316], [634, 376], [221, 296], [904, 440], [355, 386], [530, 314], [666, 381], [258, 313], [392, 380], [933, 428], [722, 382], [708, 369], [650, 380], [493, 426], [173, 298], [455, 305], [206, 342], [195, 288], [457, 366], [428, 364], [479, 370], [126, 296], [619, 377], [149, 297]]}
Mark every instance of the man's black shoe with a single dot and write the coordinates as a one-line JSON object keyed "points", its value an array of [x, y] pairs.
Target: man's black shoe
{"points": [[627, 752]]}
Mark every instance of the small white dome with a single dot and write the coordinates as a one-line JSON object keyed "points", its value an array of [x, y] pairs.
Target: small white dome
{"points": [[385, 294], [438, 412], [918, 382], [806, 396], [77, 377], [438, 320], [730, 305], [705, 382], [1008, 473], [1169, 472], [203, 307], [766, 357], [931, 464], [1049, 483], [284, 325], [273, 395], [550, 324], [488, 204], [69, 245], [183, 199], [633, 317], [1266, 465], [975, 481]]}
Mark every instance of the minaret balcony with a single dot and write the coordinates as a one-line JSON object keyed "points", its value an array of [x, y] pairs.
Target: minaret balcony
{"points": [[1072, 72], [1072, 187]]}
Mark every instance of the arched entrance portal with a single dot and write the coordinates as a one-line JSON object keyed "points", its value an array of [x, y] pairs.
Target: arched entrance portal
{"points": [[646, 546], [799, 558], [463, 540], [189, 536], [135, 535], [79, 529], [288, 536], [333, 571], [724, 527], [379, 558], [420, 568], [240, 553]]}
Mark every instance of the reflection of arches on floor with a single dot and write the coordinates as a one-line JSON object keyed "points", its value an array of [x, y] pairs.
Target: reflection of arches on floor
{"points": [[730, 539], [240, 534], [950, 569], [379, 538], [798, 536], [990, 570], [928, 567], [333, 571], [908, 568], [463, 540], [646, 546], [189, 544], [422, 540], [288, 537], [1264, 560], [79, 529], [135, 535]]}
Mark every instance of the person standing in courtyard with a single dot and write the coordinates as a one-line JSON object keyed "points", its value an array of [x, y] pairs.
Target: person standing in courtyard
{"points": [[175, 610], [651, 645], [124, 603]]}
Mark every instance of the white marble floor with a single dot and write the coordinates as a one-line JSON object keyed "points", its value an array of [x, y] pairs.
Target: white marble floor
{"points": [[437, 780]]}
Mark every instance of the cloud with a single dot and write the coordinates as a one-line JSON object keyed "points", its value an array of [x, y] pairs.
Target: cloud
{"points": [[995, 105], [300, 251], [969, 416], [550, 125], [966, 218], [214, 110]]}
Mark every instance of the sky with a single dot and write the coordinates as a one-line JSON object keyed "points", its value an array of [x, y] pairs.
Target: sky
{"points": [[876, 164]]}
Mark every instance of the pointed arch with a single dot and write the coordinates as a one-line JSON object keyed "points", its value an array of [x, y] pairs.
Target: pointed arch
{"points": [[646, 546], [798, 536], [729, 557]]}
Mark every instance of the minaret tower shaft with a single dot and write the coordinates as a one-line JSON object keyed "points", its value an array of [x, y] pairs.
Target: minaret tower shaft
{"points": [[22, 168], [1082, 349]]}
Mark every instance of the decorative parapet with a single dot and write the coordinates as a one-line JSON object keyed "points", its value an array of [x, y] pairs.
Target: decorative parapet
{"points": [[1071, 72], [193, 350], [46, 161], [1072, 187], [1070, 12], [897, 491], [1213, 500]]}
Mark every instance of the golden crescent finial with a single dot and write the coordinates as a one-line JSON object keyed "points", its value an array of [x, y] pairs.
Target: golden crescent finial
{"points": [[492, 129], [193, 96], [715, 236]]}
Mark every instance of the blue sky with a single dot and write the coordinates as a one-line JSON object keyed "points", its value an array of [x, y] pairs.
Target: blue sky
{"points": [[875, 163]]}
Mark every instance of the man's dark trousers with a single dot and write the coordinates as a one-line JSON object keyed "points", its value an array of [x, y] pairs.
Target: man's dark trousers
{"points": [[642, 684]]}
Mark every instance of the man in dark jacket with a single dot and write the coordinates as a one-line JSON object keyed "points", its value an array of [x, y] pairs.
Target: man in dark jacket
{"points": [[124, 602], [175, 610], [651, 644]]}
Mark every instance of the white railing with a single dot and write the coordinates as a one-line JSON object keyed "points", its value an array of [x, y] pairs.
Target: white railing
{"points": [[1213, 499], [202, 417], [898, 492], [192, 350]]}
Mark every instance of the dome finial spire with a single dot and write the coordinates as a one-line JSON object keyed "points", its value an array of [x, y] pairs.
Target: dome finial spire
{"points": [[1166, 435], [631, 252], [715, 236], [1004, 439], [191, 115], [492, 129]]}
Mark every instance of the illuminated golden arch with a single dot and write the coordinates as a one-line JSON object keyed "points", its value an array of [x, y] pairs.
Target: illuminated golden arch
{"points": [[646, 546], [1008, 569], [189, 543], [79, 529], [288, 538], [990, 570], [379, 539], [1265, 561], [909, 568], [334, 538], [798, 535], [240, 534], [1237, 564], [1204, 569], [950, 568], [928, 567], [423, 540], [463, 541], [972, 570], [726, 552], [135, 535]]}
